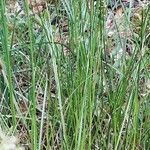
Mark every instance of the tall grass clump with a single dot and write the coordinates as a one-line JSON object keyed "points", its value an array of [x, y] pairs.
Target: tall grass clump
{"points": [[84, 87]]}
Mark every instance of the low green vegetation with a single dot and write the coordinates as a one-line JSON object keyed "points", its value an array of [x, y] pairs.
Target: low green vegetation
{"points": [[82, 82]]}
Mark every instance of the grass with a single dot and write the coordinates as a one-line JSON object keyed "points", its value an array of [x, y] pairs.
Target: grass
{"points": [[94, 96]]}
